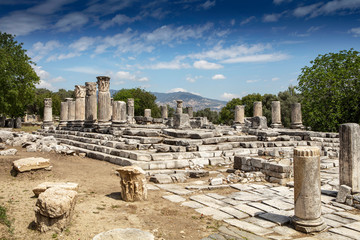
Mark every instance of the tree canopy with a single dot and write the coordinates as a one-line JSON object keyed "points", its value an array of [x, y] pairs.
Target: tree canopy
{"points": [[143, 100], [330, 88], [17, 77]]}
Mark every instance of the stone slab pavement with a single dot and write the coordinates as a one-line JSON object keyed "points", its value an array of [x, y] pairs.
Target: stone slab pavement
{"points": [[264, 211]]}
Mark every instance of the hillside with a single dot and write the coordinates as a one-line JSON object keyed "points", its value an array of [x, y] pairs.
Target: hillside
{"points": [[190, 100]]}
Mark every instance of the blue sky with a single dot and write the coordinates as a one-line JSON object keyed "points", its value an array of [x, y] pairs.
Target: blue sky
{"points": [[216, 48]]}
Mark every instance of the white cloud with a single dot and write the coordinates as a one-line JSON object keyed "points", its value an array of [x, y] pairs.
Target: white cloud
{"points": [[86, 70], [22, 23], [119, 19], [247, 20], [123, 75], [228, 96], [218, 77], [275, 79], [41, 72], [251, 81], [192, 79], [39, 49], [168, 33], [202, 64], [355, 32], [331, 7], [58, 79], [271, 17], [71, 21], [174, 64], [258, 58], [208, 4], [45, 84], [45, 81], [281, 1], [305, 10], [218, 52], [49, 7], [82, 43], [177, 90]]}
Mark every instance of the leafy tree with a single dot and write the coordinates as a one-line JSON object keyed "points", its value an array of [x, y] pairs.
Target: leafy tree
{"points": [[266, 105], [330, 88], [212, 116], [227, 113], [287, 98], [248, 101], [17, 77], [142, 100], [171, 111]]}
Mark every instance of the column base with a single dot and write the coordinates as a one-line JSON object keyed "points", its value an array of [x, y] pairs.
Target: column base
{"points": [[103, 127], [276, 125], [62, 125], [47, 125], [309, 226], [297, 126], [78, 125], [89, 124]]}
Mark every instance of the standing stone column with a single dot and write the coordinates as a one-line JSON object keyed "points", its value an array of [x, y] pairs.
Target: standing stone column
{"points": [[80, 92], [307, 190], [71, 111], [190, 112], [119, 114], [239, 114], [147, 113], [276, 114], [90, 105], [130, 110], [349, 158], [257, 109], [179, 106], [48, 120], [296, 116], [64, 111], [111, 107], [164, 111], [104, 103]]}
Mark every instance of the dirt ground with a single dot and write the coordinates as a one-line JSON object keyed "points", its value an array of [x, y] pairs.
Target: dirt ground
{"points": [[99, 206]]}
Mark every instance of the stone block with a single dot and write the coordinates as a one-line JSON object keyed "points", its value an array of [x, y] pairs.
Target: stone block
{"points": [[161, 178], [343, 192], [161, 156], [42, 187], [54, 209], [8, 152], [32, 163]]}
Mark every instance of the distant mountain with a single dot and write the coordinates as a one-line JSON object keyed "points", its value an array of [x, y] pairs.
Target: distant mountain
{"points": [[189, 100]]}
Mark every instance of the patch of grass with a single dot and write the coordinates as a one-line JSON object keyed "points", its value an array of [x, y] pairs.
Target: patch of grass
{"points": [[28, 129], [67, 232], [54, 235], [100, 208], [4, 218], [115, 206]]}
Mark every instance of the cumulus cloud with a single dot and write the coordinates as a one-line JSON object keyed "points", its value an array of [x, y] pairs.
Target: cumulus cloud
{"points": [[275, 79], [229, 96], [22, 23], [247, 20], [123, 75], [45, 78], [258, 58], [202, 64], [71, 21], [355, 32], [218, 77], [208, 4], [119, 19], [82, 44], [305, 10], [271, 17], [168, 33], [39, 49], [177, 90], [192, 79]]}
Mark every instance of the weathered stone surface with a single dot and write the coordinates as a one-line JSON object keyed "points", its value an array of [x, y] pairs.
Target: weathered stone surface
{"points": [[307, 190], [2, 146], [257, 109], [296, 116], [54, 209], [32, 163], [122, 234], [214, 213], [259, 122], [42, 187], [8, 152], [198, 174], [161, 178], [344, 191], [133, 183], [248, 227], [349, 158], [174, 198]]}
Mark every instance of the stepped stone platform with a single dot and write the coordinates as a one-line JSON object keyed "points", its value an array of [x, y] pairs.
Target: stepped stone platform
{"points": [[157, 147]]}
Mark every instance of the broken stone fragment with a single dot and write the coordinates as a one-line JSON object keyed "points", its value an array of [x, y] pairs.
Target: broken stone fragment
{"points": [[42, 187], [161, 178], [32, 163], [133, 183], [8, 152], [344, 191], [54, 209]]}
